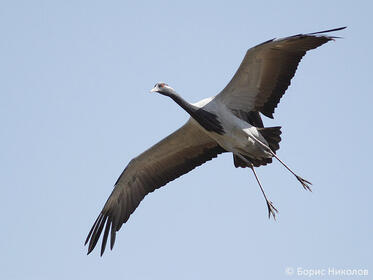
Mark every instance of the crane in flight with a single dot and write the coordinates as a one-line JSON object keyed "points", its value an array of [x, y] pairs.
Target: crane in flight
{"points": [[228, 122]]}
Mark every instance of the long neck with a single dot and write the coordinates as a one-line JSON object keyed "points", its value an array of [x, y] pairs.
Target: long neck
{"points": [[189, 108], [207, 120]]}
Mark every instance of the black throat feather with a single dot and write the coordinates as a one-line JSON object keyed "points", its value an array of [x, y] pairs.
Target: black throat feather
{"points": [[207, 120]]}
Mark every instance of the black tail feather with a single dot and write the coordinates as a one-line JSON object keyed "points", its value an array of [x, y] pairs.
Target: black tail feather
{"points": [[272, 136]]}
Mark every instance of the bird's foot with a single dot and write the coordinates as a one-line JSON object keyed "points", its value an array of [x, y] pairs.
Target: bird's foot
{"points": [[271, 210], [305, 184]]}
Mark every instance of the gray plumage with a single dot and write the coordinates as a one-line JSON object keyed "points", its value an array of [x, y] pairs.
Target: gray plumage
{"points": [[228, 122]]}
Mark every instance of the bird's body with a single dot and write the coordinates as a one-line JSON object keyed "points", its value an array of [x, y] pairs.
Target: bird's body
{"points": [[239, 136], [227, 122]]}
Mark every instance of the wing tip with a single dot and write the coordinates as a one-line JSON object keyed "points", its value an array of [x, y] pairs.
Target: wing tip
{"points": [[329, 30], [96, 231]]}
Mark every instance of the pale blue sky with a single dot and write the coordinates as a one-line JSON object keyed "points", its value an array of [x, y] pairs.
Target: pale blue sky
{"points": [[75, 108]]}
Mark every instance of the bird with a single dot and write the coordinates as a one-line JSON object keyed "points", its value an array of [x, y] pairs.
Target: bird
{"points": [[229, 122]]}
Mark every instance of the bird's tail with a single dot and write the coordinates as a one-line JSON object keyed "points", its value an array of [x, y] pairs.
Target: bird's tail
{"points": [[272, 136]]}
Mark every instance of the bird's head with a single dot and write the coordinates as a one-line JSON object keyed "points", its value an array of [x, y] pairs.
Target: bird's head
{"points": [[163, 88]]}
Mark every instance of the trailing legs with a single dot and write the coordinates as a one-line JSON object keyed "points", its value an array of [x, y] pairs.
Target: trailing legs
{"points": [[305, 184], [271, 209]]}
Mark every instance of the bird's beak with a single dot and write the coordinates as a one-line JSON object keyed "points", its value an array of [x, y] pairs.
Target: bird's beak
{"points": [[154, 89]]}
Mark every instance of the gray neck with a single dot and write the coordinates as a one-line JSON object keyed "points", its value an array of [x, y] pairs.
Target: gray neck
{"points": [[207, 120], [189, 108]]}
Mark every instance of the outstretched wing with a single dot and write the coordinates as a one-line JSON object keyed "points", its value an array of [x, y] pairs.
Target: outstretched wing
{"points": [[177, 154], [266, 71]]}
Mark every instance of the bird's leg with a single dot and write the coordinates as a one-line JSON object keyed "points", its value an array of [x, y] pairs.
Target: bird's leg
{"points": [[271, 209], [305, 184]]}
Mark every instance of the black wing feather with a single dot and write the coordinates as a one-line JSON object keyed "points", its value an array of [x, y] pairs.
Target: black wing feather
{"points": [[174, 156]]}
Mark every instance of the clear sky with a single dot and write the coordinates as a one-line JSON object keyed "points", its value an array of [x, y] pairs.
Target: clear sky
{"points": [[75, 108]]}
